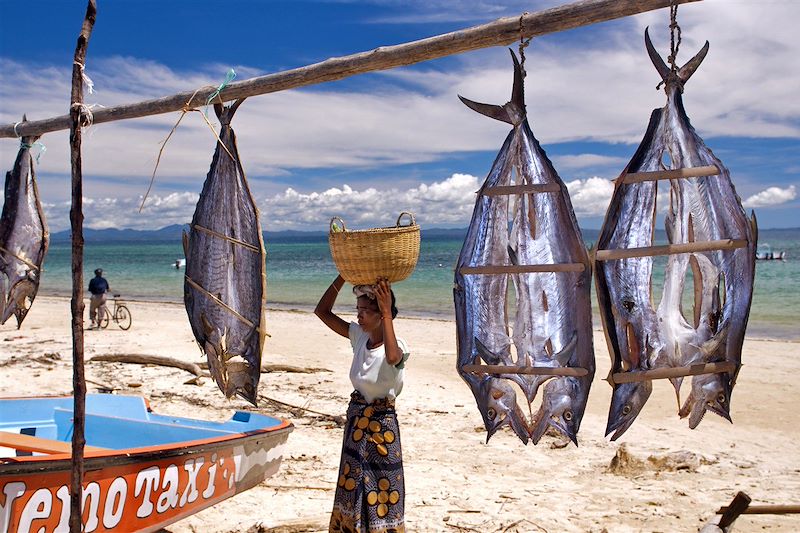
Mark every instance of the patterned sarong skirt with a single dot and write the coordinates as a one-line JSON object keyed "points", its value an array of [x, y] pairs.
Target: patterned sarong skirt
{"points": [[370, 489]]}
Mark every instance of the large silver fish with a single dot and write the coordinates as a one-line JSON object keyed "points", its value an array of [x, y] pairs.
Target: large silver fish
{"points": [[225, 283], [552, 313], [713, 211], [24, 238]]}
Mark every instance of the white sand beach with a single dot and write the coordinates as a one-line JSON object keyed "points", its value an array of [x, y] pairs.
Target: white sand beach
{"points": [[454, 480]]}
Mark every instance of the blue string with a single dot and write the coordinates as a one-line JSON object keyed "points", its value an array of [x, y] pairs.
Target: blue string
{"points": [[229, 77], [40, 144]]}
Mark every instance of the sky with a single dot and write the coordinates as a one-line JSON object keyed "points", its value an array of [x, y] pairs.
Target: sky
{"points": [[370, 146]]}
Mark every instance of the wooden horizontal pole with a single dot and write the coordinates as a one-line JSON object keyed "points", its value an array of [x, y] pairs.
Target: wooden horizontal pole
{"points": [[31, 443], [669, 249], [502, 31], [521, 189], [679, 173], [673, 372], [767, 509], [523, 269], [535, 370]]}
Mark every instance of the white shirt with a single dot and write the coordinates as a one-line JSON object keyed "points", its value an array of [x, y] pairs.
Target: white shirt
{"points": [[370, 374]]}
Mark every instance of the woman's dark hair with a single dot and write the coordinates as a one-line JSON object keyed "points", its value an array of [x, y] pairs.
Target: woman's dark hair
{"points": [[394, 307]]}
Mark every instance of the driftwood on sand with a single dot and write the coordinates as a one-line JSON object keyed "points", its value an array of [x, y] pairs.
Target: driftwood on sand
{"points": [[145, 359]]}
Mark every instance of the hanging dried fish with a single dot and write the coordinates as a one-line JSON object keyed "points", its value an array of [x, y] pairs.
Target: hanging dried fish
{"points": [[532, 239], [702, 209], [24, 238], [225, 284]]}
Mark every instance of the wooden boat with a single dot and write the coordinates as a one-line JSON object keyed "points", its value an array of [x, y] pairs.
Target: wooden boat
{"points": [[142, 470], [765, 253]]}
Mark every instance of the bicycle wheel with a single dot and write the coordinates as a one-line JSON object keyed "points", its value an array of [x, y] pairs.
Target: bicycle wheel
{"points": [[123, 317], [103, 323]]}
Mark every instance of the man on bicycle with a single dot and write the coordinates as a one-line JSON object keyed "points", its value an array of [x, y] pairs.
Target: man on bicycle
{"points": [[98, 286]]}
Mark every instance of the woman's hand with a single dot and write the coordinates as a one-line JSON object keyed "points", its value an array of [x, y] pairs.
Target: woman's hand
{"points": [[383, 297]]}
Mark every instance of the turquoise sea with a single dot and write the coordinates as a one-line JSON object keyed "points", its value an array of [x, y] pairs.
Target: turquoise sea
{"points": [[299, 269]]}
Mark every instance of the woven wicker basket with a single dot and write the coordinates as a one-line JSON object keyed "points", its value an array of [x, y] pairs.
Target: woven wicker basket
{"points": [[363, 256]]}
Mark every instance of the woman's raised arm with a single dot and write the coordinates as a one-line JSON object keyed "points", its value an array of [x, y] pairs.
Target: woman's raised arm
{"points": [[324, 309]]}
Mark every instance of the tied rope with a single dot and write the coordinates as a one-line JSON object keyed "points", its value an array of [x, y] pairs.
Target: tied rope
{"points": [[42, 148], [674, 45], [186, 109], [229, 77], [523, 43], [86, 79]]}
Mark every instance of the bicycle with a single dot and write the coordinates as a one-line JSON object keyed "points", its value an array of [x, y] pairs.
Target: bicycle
{"points": [[121, 315]]}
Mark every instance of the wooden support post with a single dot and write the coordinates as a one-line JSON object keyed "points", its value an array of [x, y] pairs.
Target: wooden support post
{"points": [[502, 31], [679, 173], [77, 121], [534, 370], [673, 372], [739, 504], [669, 249], [766, 509], [521, 189], [522, 269]]}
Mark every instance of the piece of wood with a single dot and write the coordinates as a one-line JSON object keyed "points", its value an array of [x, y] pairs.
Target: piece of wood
{"points": [[739, 504], [669, 249], [535, 370], [678, 173], [501, 190], [336, 419], [145, 359], [503, 31], [523, 269], [767, 509], [77, 120], [673, 372], [31, 443], [267, 368]]}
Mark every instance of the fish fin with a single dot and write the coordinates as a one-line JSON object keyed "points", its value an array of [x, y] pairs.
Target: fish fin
{"points": [[518, 90], [219, 109], [565, 354], [486, 354], [658, 62], [633, 346], [697, 277], [676, 384], [686, 71], [185, 240], [754, 226], [710, 347], [490, 110], [512, 255]]}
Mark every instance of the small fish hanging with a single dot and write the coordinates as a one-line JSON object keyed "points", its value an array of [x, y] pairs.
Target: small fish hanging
{"points": [[24, 237], [523, 227], [706, 219], [225, 282]]}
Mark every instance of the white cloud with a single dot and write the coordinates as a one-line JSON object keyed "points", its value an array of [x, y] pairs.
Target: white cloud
{"points": [[771, 197], [590, 197], [579, 161]]}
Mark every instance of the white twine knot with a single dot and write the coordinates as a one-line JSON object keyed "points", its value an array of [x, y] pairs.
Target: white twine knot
{"points": [[86, 79]]}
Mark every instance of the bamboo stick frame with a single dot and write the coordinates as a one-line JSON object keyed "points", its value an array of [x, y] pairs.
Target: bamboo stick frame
{"points": [[522, 269], [502, 31], [501, 190], [669, 249], [679, 173], [534, 370], [671, 372]]}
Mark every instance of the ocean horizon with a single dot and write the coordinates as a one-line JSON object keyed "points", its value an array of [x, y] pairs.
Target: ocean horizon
{"points": [[140, 265]]}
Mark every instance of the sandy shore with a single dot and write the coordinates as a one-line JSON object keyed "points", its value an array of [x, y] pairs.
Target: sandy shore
{"points": [[454, 480]]}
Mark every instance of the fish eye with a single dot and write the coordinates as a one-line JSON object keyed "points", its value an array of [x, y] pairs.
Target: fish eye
{"points": [[568, 416], [491, 413], [627, 409], [721, 398]]}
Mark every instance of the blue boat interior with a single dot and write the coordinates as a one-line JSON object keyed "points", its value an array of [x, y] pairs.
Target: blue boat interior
{"points": [[118, 422]]}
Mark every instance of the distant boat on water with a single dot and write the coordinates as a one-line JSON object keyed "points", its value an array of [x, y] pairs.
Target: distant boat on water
{"points": [[179, 263], [765, 253]]}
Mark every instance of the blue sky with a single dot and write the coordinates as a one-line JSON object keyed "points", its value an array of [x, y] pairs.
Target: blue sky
{"points": [[367, 147]]}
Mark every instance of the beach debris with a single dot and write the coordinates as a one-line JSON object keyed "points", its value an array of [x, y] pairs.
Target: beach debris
{"points": [[146, 359], [24, 237], [524, 228], [225, 280], [708, 232]]}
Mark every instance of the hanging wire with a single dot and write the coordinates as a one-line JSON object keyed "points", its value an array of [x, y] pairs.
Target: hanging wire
{"points": [[673, 30], [523, 43]]}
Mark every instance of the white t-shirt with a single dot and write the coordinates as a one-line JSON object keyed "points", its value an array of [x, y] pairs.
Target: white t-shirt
{"points": [[370, 374]]}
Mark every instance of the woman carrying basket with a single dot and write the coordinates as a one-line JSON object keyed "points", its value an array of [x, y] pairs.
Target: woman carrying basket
{"points": [[370, 488]]}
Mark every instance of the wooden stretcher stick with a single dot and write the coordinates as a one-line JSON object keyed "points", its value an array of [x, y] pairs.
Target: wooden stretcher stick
{"points": [[535, 370], [669, 249], [501, 190], [523, 269], [767, 509], [675, 372], [691, 172], [227, 238], [738, 505], [219, 302], [31, 443]]}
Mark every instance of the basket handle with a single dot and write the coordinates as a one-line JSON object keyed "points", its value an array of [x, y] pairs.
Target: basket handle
{"points": [[410, 215], [333, 225]]}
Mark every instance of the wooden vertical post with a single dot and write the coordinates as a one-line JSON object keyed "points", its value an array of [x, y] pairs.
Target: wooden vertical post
{"points": [[78, 120]]}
